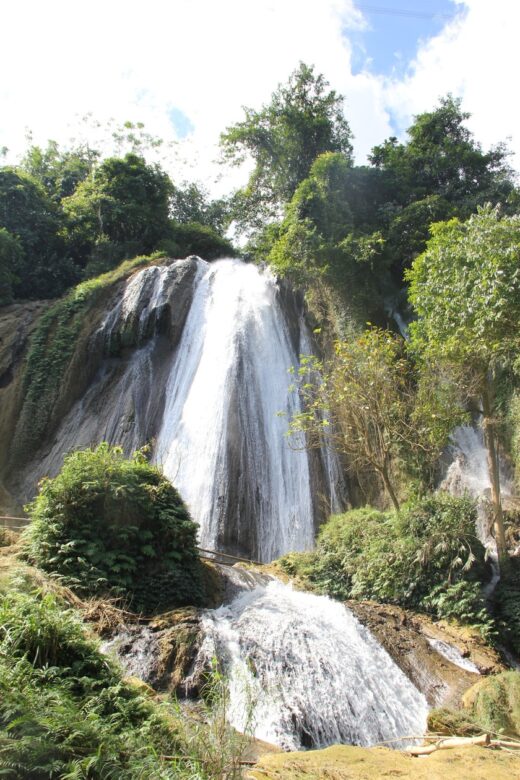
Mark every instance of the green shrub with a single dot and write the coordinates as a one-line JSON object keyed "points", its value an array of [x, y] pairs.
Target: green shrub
{"points": [[193, 238], [507, 604], [425, 557], [106, 523], [65, 711], [41, 630]]}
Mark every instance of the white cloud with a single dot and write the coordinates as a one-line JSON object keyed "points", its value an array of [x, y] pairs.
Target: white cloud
{"points": [[61, 59], [476, 59]]}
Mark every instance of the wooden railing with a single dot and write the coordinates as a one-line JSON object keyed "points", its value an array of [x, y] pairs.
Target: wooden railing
{"points": [[214, 555]]}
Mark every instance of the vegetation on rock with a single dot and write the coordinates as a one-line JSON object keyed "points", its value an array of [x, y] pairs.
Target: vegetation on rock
{"points": [[426, 557], [106, 524]]}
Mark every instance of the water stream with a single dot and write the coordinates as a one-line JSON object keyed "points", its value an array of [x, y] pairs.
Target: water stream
{"points": [[195, 358], [303, 672], [468, 473]]}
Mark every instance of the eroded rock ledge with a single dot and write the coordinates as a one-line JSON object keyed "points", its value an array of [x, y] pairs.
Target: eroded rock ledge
{"points": [[410, 639]]}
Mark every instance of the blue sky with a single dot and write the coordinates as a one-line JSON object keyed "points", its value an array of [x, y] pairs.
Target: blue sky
{"points": [[187, 67], [395, 29]]}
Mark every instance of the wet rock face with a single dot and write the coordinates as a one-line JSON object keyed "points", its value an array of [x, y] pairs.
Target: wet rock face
{"points": [[420, 647], [114, 387], [17, 323], [162, 653]]}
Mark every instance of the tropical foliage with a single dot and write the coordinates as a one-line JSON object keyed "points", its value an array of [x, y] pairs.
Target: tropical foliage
{"points": [[425, 557], [106, 524]]}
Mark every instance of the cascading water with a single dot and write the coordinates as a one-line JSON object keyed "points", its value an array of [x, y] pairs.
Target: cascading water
{"points": [[222, 440], [469, 473], [196, 359], [303, 672], [195, 356]]}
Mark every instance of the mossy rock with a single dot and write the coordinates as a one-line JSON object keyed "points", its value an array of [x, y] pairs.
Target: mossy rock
{"points": [[452, 723], [494, 703], [140, 686]]}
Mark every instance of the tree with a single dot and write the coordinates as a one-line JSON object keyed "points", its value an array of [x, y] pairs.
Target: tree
{"points": [[364, 402], [190, 203], [124, 202], [442, 158], [465, 289], [303, 120], [11, 256], [317, 239], [59, 172], [27, 213]]}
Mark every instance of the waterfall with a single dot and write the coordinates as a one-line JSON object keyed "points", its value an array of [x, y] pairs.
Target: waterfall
{"points": [[468, 473], [222, 440], [303, 672], [195, 358]]}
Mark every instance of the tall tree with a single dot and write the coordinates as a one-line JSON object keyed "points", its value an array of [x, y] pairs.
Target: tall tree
{"points": [[465, 289], [365, 400], [442, 158], [125, 201], [29, 215], [304, 119], [59, 172]]}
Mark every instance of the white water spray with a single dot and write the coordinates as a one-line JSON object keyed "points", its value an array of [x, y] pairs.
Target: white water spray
{"points": [[311, 673], [226, 387]]}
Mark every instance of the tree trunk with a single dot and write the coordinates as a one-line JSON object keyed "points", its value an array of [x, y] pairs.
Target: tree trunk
{"points": [[388, 485], [492, 462]]}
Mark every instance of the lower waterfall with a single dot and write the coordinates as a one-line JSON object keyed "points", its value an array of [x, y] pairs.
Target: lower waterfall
{"points": [[303, 672]]}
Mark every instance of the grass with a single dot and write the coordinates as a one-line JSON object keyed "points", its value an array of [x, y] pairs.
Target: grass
{"points": [[67, 712]]}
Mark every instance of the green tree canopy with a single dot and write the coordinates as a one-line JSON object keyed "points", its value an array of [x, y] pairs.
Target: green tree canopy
{"points": [[27, 213], [304, 119], [125, 201], [318, 238], [442, 158], [465, 289], [59, 172]]}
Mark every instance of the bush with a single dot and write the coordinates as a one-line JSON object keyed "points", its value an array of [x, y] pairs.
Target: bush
{"points": [[426, 557], [106, 523], [65, 711], [193, 238], [507, 604]]}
